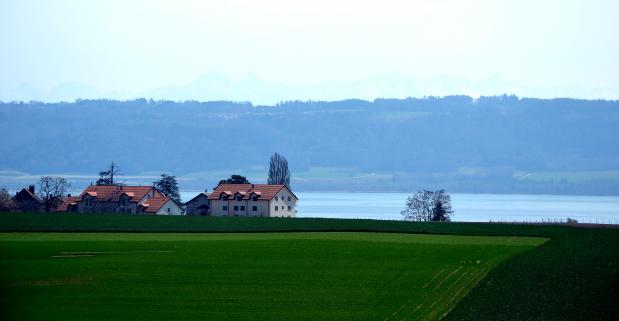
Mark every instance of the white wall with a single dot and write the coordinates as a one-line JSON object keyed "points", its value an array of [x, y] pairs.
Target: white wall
{"points": [[282, 203], [170, 208], [217, 208]]}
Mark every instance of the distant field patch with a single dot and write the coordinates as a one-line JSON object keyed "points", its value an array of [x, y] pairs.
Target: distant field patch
{"points": [[569, 177], [243, 276]]}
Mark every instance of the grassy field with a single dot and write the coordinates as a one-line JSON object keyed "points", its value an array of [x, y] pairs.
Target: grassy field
{"points": [[572, 276], [235, 276]]}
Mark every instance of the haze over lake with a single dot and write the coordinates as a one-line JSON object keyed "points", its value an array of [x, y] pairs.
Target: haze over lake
{"points": [[467, 207]]}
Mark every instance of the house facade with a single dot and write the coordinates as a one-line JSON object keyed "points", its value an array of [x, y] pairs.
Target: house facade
{"points": [[253, 200], [121, 199], [199, 205]]}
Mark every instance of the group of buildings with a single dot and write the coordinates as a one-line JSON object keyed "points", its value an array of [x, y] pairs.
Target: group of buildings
{"points": [[224, 200]]}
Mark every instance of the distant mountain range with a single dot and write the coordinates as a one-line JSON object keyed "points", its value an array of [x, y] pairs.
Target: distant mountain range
{"points": [[500, 144]]}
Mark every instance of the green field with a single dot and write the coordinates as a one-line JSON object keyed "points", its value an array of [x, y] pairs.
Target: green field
{"points": [[236, 276], [574, 275]]}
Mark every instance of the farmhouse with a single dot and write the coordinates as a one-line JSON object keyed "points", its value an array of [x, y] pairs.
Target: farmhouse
{"points": [[27, 201], [198, 205], [252, 200], [121, 199]]}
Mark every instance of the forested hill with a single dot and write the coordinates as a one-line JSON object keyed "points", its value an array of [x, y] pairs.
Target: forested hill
{"points": [[490, 144]]}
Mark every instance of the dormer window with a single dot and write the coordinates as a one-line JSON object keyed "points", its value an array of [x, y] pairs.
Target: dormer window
{"points": [[223, 197], [254, 198], [239, 197]]}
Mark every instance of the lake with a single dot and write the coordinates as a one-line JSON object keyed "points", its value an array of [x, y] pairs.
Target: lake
{"points": [[467, 207]]}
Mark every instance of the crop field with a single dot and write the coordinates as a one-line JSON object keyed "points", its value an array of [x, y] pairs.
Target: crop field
{"points": [[574, 275], [243, 276]]}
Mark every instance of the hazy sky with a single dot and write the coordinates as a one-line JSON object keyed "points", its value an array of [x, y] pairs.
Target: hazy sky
{"points": [[270, 50]]}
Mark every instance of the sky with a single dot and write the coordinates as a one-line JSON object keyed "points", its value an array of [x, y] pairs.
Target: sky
{"points": [[269, 51]]}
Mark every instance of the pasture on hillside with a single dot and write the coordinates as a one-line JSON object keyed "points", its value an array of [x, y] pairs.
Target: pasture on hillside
{"points": [[244, 276]]}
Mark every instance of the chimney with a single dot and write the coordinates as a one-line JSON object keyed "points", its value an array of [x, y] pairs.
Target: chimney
{"points": [[31, 189]]}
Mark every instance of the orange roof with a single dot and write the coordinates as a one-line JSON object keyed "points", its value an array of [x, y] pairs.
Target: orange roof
{"points": [[153, 204], [263, 191], [113, 193], [64, 206]]}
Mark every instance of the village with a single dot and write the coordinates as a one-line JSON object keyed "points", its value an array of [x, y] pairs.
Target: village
{"points": [[267, 200], [234, 196]]}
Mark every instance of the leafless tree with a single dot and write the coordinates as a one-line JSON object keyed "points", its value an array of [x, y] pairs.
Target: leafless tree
{"points": [[6, 201], [52, 190], [106, 177], [278, 170], [428, 206]]}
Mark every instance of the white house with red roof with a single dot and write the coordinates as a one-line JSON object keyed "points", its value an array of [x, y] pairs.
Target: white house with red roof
{"points": [[121, 199], [253, 200]]}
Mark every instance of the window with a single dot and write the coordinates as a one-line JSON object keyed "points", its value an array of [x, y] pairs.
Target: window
{"points": [[236, 207], [225, 208], [242, 208], [288, 208], [276, 198], [169, 210], [238, 198], [255, 198], [275, 208], [288, 198], [254, 208]]}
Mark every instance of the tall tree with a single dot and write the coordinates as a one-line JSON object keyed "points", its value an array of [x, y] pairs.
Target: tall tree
{"points": [[106, 177], [441, 209], [52, 190], [235, 179], [428, 206], [169, 187], [278, 170]]}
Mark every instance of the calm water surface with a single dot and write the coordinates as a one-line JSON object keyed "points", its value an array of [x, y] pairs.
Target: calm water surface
{"points": [[467, 207]]}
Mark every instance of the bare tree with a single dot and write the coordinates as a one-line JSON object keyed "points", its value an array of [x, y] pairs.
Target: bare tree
{"points": [[51, 191], [106, 177], [6, 201], [428, 206], [278, 170]]}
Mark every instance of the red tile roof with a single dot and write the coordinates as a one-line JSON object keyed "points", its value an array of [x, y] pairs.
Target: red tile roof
{"points": [[152, 205], [264, 191], [113, 193], [64, 206]]}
